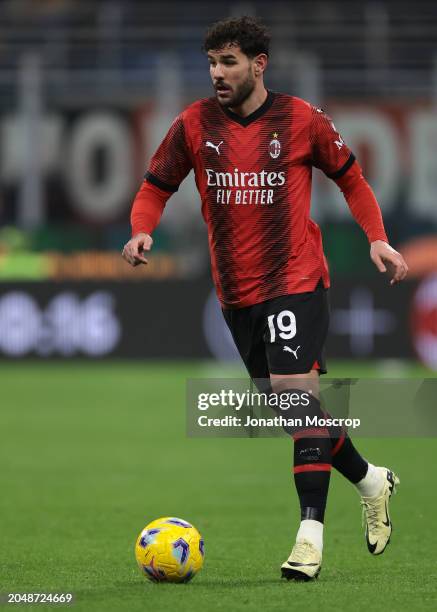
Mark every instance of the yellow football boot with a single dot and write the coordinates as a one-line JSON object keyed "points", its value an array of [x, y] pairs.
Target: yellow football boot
{"points": [[304, 563], [376, 516]]}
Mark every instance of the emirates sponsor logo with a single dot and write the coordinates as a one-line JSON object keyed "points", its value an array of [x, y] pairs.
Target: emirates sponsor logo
{"points": [[244, 179]]}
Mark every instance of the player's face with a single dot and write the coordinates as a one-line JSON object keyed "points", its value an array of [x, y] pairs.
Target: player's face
{"points": [[232, 74]]}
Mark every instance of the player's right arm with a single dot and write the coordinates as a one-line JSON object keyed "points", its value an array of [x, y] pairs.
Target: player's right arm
{"points": [[168, 167]]}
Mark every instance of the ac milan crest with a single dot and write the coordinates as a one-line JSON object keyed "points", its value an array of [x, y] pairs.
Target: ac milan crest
{"points": [[275, 147]]}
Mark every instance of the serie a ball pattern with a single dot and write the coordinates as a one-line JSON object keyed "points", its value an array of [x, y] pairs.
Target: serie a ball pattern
{"points": [[169, 550]]}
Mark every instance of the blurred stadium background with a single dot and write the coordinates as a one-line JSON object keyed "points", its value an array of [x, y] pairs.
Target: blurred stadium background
{"points": [[95, 354], [88, 89]]}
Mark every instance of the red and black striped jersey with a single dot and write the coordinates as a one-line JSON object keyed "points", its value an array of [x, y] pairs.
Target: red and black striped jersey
{"points": [[254, 178]]}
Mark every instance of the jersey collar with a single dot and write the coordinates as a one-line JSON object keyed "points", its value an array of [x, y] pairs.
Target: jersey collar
{"points": [[259, 112]]}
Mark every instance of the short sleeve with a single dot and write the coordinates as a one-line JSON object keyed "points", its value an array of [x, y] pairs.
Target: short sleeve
{"points": [[171, 163], [329, 151]]}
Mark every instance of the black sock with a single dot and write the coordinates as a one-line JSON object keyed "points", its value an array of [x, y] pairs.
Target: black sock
{"points": [[312, 463], [345, 457], [312, 453], [347, 460], [312, 471]]}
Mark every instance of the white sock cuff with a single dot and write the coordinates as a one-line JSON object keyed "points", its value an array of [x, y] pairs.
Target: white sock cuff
{"points": [[372, 483], [312, 531]]}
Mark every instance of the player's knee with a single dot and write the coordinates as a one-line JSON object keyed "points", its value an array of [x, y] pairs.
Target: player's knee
{"points": [[308, 383], [299, 408]]}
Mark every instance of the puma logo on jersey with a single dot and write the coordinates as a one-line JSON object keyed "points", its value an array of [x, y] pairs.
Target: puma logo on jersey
{"points": [[287, 349], [213, 146]]}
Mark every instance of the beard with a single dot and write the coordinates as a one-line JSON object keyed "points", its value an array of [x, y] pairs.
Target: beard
{"points": [[241, 93]]}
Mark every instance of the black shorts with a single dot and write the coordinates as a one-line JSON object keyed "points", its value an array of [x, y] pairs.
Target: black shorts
{"points": [[284, 335]]}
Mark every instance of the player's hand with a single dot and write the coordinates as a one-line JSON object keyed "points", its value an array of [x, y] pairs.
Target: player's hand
{"points": [[133, 251], [386, 259]]}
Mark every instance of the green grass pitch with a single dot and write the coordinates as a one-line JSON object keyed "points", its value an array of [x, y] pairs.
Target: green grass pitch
{"points": [[90, 453]]}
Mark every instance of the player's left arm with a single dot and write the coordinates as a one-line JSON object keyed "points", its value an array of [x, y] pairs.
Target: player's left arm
{"points": [[331, 154], [367, 213]]}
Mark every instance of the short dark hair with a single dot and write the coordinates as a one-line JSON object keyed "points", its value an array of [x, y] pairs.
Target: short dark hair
{"points": [[250, 34]]}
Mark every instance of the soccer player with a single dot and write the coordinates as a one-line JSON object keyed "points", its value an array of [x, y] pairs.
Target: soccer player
{"points": [[252, 151]]}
